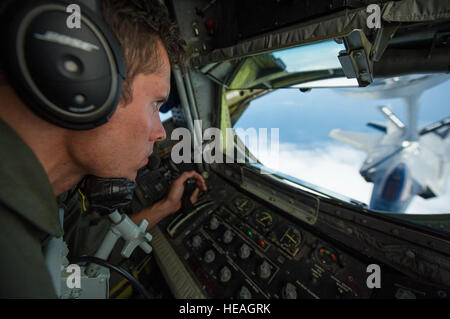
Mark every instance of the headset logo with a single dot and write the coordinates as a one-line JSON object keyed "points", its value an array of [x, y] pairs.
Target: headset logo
{"points": [[74, 19], [52, 36]]}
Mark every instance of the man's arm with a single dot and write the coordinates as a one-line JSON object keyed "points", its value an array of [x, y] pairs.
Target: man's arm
{"points": [[172, 203]]}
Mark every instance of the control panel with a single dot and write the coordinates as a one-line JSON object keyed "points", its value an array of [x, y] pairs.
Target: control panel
{"points": [[243, 250], [235, 245]]}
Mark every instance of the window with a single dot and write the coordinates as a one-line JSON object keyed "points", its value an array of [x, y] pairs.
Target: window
{"points": [[314, 145], [165, 116]]}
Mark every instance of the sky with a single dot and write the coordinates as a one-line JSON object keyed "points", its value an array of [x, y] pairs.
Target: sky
{"points": [[165, 116], [311, 57], [306, 152]]}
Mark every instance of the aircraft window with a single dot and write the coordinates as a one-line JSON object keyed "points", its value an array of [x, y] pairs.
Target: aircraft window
{"points": [[358, 142], [165, 116], [310, 65], [312, 57]]}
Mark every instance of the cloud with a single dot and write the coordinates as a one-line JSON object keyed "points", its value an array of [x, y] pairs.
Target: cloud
{"points": [[437, 205], [332, 167], [336, 167]]}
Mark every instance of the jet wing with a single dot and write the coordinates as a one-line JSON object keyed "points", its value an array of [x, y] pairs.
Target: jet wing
{"points": [[363, 141], [436, 186], [432, 167]]}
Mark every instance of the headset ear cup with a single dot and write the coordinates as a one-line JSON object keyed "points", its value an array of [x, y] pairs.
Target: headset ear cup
{"points": [[71, 77]]}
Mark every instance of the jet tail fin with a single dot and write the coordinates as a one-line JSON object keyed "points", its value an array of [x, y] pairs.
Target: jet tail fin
{"points": [[391, 117]]}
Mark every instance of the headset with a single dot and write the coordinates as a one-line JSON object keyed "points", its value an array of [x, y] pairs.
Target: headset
{"points": [[67, 73]]}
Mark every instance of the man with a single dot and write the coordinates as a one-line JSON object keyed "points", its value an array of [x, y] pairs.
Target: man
{"points": [[39, 160]]}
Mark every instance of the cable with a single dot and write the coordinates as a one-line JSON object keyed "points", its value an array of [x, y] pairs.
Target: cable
{"points": [[94, 260]]}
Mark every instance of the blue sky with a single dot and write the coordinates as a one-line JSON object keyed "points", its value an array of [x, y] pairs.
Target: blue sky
{"points": [[305, 119], [165, 116], [311, 57]]}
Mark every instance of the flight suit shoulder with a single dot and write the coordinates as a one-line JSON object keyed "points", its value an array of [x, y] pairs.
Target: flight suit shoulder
{"points": [[23, 272]]}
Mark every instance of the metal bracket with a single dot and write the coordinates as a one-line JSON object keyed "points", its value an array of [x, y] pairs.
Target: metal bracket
{"points": [[355, 60], [384, 35]]}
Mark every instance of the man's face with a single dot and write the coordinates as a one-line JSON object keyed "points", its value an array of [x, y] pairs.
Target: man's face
{"points": [[121, 146]]}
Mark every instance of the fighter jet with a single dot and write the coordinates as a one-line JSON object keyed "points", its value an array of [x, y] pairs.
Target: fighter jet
{"points": [[404, 161]]}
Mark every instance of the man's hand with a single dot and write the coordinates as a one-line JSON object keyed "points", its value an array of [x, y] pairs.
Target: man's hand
{"points": [[172, 202], [177, 189]]}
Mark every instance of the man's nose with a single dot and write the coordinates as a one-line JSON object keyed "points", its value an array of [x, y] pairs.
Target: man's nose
{"points": [[159, 133]]}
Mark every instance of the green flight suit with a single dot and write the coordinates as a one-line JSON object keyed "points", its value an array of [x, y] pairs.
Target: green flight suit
{"points": [[28, 218]]}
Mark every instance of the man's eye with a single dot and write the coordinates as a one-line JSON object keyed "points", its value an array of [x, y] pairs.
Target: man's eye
{"points": [[155, 106]]}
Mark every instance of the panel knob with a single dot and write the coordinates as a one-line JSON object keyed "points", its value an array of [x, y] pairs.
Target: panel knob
{"points": [[213, 223], [244, 251], [228, 236], [265, 270], [225, 274], [244, 293], [289, 291], [210, 256], [196, 241]]}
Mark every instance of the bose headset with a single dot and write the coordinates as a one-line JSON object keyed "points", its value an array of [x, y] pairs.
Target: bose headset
{"points": [[69, 76]]}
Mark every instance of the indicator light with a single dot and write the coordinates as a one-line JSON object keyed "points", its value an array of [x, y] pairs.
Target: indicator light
{"points": [[210, 26], [250, 233]]}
